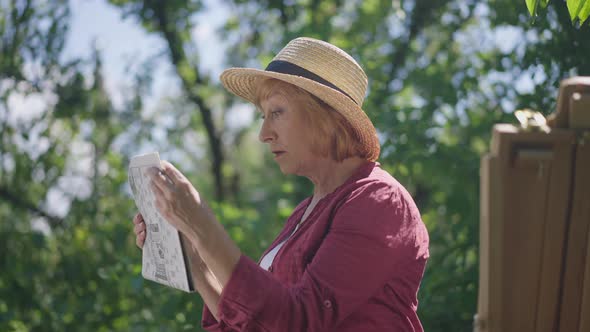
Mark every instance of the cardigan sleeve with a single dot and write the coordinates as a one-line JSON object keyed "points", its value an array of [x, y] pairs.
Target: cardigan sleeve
{"points": [[375, 233], [209, 323]]}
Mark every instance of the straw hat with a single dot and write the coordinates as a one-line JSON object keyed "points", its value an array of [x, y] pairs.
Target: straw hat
{"points": [[321, 69]]}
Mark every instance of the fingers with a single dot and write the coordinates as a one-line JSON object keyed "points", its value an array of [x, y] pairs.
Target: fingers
{"points": [[159, 178], [175, 175], [140, 239], [159, 189], [139, 228], [162, 197], [163, 189], [138, 218]]}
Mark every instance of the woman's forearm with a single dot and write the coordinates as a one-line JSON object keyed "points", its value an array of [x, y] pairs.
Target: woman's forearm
{"points": [[210, 290], [204, 281], [217, 250]]}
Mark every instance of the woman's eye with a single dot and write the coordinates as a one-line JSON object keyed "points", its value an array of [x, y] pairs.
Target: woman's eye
{"points": [[275, 114]]}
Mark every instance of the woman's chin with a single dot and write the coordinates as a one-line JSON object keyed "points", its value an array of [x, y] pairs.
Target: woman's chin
{"points": [[286, 169]]}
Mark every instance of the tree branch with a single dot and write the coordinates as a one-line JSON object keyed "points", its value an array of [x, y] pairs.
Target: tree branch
{"points": [[179, 59], [17, 201]]}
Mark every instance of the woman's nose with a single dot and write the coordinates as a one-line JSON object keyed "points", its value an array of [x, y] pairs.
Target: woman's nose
{"points": [[266, 133]]}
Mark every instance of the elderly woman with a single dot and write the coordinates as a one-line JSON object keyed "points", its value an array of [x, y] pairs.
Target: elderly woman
{"points": [[352, 255]]}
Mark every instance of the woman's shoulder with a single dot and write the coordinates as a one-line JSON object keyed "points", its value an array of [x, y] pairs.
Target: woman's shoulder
{"points": [[376, 197], [375, 184], [376, 203]]}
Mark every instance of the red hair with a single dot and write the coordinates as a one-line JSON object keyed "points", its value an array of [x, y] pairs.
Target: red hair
{"points": [[330, 133]]}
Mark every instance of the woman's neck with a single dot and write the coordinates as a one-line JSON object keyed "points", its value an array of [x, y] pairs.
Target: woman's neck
{"points": [[331, 174]]}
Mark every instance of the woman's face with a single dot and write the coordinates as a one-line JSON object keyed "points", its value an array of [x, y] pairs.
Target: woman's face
{"points": [[286, 133]]}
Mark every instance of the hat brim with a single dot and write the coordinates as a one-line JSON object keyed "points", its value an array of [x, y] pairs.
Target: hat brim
{"points": [[242, 82]]}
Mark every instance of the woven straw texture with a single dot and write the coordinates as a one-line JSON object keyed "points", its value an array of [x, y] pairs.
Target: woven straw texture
{"points": [[328, 62]]}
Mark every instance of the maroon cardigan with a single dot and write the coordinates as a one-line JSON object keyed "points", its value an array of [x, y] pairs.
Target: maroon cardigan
{"points": [[355, 264]]}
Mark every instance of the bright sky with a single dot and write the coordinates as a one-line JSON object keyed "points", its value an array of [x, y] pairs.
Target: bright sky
{"points": [[124, 43]]}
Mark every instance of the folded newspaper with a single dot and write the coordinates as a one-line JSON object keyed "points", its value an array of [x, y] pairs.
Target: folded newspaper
{"points": [[164, 260]]}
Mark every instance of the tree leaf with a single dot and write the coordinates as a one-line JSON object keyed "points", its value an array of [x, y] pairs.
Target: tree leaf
{"points": [[532, 6], [584, 12], [574, 7], [544, 3]]}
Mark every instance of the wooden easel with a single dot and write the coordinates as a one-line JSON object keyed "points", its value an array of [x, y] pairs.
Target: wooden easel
{"points": [[535, 221]]}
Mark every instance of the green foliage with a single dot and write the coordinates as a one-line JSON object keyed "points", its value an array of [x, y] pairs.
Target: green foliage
{"points": [[532, 6], [579, 10], [582, 11], [441, 74]]}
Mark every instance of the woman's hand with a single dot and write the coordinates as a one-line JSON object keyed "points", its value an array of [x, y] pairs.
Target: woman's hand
{"points": [[139, 230], [179, 202]]}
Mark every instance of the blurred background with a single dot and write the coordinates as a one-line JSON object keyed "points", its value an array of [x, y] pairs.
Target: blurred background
{"points": [[85, 85]]}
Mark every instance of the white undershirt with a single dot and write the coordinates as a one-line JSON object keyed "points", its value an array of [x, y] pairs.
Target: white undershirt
{"points": [[267, 260]]}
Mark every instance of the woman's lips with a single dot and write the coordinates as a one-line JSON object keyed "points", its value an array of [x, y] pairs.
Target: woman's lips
{"points": [[278, 153]]}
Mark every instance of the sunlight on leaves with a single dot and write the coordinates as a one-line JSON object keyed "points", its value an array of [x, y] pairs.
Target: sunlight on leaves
{"points": [[584, 12], [532, 6], [574, 7]]}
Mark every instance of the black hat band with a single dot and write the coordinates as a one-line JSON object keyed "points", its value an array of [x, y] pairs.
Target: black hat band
{"points": [[285, 67]]}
